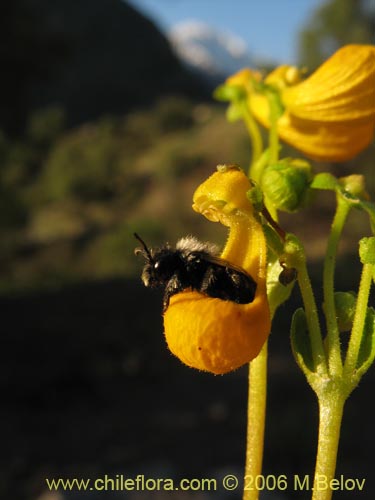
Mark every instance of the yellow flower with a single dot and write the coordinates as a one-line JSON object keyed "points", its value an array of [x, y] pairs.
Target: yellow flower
{"points": [[329, 116], [341, 90], [212, 334], [245, 78]]}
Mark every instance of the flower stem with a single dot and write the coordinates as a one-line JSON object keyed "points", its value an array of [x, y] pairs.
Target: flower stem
{"points": [[254, 134], [331, 408], [273, 132], [359, 319], [312, 319], [256, 419], [333, 338]]}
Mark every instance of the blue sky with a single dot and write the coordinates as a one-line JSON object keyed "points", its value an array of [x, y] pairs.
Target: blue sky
{"points": [[269, 27]]}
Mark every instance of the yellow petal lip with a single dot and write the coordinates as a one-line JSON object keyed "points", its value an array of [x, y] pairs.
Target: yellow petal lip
{"points": [[215, 335], [341, 89], [222, 194], [244, 78]]}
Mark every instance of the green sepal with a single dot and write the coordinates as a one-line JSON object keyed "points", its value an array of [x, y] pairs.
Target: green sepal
{"points": [[255, 196], [277, 292], [345, 305], [301, 345], [294, 253], [234, 112], [366, 354], [226, 92], [367, 250]]}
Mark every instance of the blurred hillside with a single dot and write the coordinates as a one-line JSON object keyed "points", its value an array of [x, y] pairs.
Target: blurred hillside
{"points": [[105, 133], [88, 57], [71, 201]]}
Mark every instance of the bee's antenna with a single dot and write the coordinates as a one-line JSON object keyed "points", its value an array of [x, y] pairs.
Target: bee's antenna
{"points": [[144, 246]]}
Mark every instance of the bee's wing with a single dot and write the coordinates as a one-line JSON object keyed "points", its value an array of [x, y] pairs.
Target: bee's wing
{"points": [[226, 281], [218, 261]]}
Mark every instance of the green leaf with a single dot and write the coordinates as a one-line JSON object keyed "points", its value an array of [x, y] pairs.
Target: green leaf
{"points": [[277, 293], [301, 344], [255, 196], [367, 350]]}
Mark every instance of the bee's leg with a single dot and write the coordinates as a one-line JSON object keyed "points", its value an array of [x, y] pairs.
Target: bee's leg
{"points": [[243, 286], [209, 282], [174, 286], [166, 300]]}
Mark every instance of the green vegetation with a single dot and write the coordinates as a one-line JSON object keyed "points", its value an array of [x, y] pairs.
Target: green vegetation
{"points": [[71, 199], [334, 24]]}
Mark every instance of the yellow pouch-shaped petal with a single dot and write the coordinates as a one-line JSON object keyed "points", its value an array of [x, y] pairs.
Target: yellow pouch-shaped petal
{"points": [[212, 334], [215, 335]]}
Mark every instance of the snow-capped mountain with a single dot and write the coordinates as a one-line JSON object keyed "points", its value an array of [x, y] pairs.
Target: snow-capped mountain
{"points": [[209, 50]]}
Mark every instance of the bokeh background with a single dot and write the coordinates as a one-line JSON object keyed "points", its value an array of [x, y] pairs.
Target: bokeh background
{"points": [[107, 125]]}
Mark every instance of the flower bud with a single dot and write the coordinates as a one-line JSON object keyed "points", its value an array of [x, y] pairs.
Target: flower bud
{"points": [[286, 183]]}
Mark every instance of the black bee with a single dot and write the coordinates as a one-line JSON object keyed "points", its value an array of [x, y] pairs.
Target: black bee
{"points": [[196, 266]]}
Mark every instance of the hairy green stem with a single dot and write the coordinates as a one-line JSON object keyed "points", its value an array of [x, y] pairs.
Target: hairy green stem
{"points": [[312, 319], [254, 134], [359, 319], [333, 337], [256, 419], [273, 133], [331, 408]]}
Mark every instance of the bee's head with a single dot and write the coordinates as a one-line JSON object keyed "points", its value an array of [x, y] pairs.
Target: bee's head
{"points": [[158, 268]]}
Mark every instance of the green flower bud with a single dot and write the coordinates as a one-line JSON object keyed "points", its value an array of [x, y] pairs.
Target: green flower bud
{"points": [[287, 183]]}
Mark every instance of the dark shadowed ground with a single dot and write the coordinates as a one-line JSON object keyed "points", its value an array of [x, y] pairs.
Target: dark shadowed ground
{"points": [[89, 388]]}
